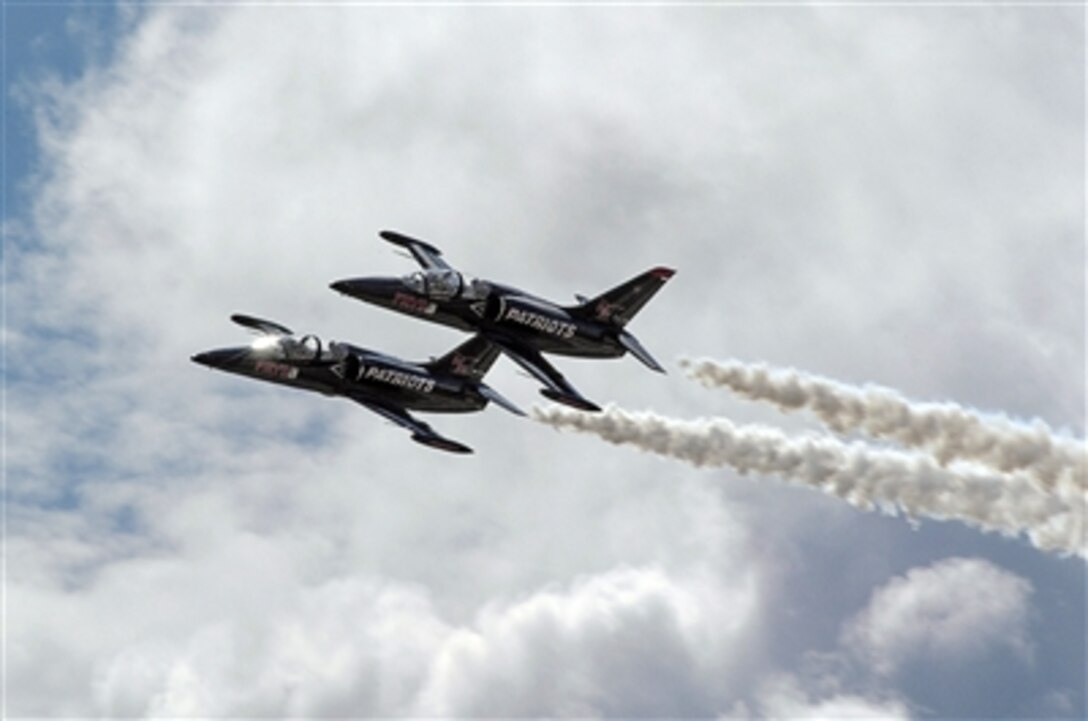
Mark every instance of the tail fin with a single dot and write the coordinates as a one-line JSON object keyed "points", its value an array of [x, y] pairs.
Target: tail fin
{"points": [[620, 304], [472, 359]]}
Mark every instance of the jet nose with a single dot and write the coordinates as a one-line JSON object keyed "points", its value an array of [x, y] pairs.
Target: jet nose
{"points": [[372, 289], [204, 359], [341, 286], [218, 358]]}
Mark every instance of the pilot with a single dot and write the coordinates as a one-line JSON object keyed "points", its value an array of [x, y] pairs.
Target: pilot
{"points": [[442, 284], [478, 289]]}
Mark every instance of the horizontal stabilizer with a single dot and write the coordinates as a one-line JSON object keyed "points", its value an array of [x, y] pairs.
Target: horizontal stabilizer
{"points": [[493, 395], [582, 404], [635, 348]]}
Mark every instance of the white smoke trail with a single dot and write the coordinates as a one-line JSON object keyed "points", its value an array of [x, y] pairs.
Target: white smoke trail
{"points": [[861, 475], [947, 430]]}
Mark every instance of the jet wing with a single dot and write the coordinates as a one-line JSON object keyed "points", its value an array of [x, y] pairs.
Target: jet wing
{"points": [[421, 432], [556, 386], [425, 254]]}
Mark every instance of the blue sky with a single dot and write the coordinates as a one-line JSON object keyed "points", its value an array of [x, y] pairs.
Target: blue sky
{"points": [[876, 195], [58, 39]]}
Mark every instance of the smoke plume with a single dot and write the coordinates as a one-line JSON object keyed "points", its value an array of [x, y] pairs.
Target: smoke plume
{"points": [[948, 431], [865, 476]]}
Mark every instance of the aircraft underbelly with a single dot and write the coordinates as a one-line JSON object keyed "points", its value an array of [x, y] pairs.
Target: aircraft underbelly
{"points": [[444, 404], [586, 350], [422, 396], [576, 346], [435, 402]]}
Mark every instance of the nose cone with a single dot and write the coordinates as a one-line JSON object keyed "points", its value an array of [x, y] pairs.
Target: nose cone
{"points": [[372, 290], [204, 359], [342, 286], [219, 358]]}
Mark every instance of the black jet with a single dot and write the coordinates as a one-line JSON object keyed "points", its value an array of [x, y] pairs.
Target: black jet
{"points": [[386, 385], [523, 326]]}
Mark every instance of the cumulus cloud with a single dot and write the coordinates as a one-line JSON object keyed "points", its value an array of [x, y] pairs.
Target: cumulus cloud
{"points": [[628, 641], [247, 599], [949, 615], [631, 642], [785, 699], [351, 643], [935, 629]]}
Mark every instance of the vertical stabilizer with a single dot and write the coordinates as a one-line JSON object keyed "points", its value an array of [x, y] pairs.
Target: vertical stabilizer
{"points": [[620, 304], [472, 359]]}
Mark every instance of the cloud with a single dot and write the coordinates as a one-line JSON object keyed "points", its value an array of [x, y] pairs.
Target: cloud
{"points": [[948, 615], [784, 699], [244, 594], [349, 644], [630, 642], [934, 630], [626, 641]]}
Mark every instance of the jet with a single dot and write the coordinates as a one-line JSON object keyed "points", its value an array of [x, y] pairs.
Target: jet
{"points": [[381, 383], [521, 325]]}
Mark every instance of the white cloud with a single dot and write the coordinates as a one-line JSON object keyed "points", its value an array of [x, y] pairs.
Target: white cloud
{"points": [[784, 699], [947, 615], [622, 642], [348, 645], [951, 620], [244, 594], [630, 642]]}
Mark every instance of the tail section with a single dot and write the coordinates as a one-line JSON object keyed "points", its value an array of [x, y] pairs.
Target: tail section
{"points": [[472, 359], [619, 305]]}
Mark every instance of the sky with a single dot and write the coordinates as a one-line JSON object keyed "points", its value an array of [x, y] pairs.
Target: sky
{"points": [[874, 194]]}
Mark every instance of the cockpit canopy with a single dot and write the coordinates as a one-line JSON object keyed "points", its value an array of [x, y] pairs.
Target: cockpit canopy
{"points": [[288, 347], [439, 284], [445, 284]]}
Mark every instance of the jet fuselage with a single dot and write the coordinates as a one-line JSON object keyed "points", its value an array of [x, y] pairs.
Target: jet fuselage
{"points": [[360, 374], [504, 312]]}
